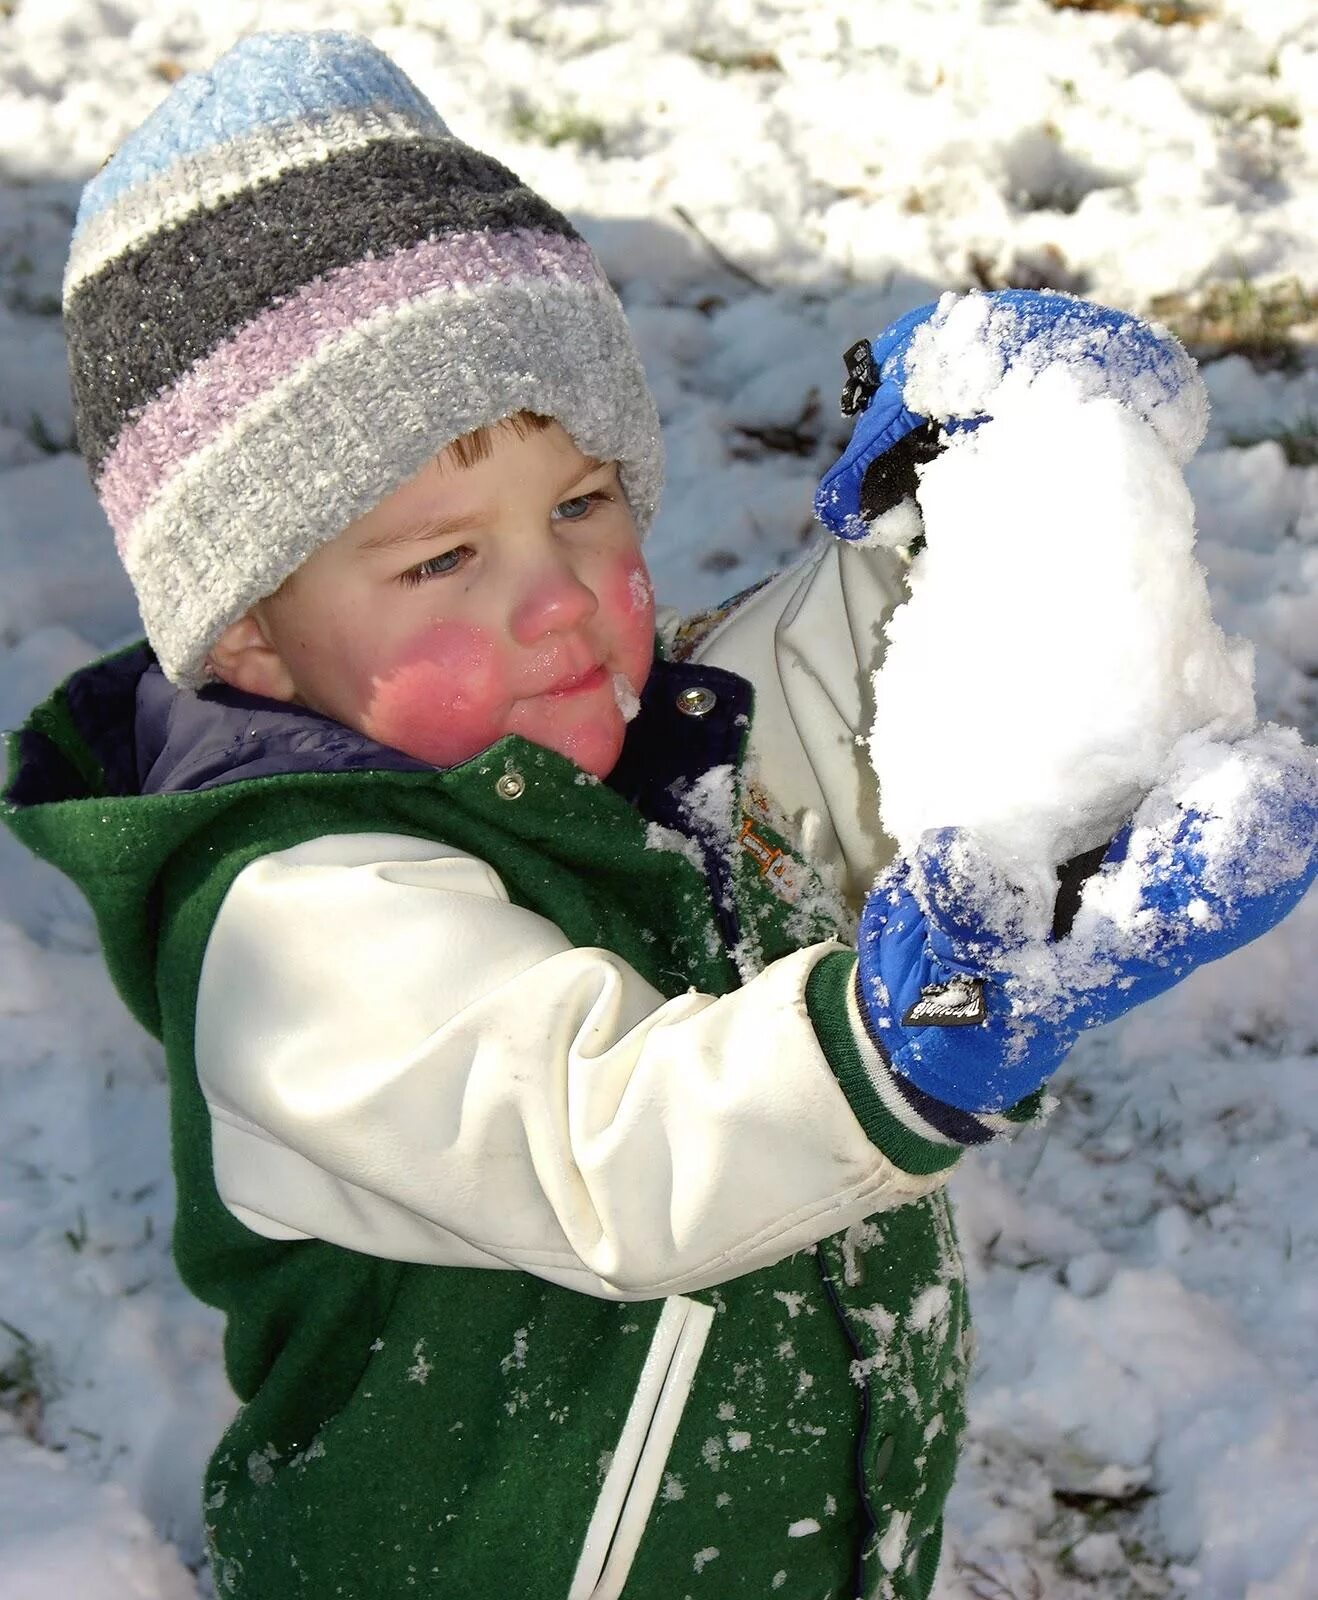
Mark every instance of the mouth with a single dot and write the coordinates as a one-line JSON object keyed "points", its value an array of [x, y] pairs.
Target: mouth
{"points": [[582, 683]]}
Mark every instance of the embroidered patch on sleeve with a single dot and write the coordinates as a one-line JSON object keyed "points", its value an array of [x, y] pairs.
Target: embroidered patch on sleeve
{"points": [[694, 630]]}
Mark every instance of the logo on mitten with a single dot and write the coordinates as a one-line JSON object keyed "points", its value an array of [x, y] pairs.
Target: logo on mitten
{"points": [[959, 1003]]}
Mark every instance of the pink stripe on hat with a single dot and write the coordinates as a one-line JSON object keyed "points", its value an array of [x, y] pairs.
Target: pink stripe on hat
{"points": [[198, 408]]}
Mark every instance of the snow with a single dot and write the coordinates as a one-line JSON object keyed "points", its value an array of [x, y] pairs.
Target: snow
{"points": [[1144, 1270], [974, 356], [1058, 640], [64, 1534]]}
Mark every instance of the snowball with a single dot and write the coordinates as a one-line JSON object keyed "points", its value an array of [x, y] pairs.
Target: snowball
{"points": [[1058, 640]]}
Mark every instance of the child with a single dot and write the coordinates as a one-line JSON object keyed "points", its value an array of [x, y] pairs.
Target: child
{"points": [[576, 1236]]}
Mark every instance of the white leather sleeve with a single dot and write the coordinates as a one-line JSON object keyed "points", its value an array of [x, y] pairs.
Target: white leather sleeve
{"points": [[399, 1060], [810, 642]]}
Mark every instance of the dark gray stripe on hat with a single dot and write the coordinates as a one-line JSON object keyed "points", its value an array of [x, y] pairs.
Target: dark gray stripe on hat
{"points": [[203, 181], [137, 325]]}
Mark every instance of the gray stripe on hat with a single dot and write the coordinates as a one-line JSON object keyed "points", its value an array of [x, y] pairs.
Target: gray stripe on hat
{"points": [[198, 183], [346, 428]]}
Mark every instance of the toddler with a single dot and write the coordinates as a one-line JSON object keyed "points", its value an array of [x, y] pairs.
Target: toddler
{"points": [[572, 1190]]}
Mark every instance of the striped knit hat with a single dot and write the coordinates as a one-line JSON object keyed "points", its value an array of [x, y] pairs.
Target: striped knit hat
{"points": [[289, 289]]}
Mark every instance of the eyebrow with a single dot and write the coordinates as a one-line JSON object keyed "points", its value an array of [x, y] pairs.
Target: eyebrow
{"points": [[450, 527], [420, 533]]}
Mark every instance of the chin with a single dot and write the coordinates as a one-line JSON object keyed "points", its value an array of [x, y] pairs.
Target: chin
{"points": [[594, 750]]}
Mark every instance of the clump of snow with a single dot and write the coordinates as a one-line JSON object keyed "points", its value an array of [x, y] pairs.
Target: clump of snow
{"points": [[892, 1546], [629, 702], [1058, 640], [1248, 840], [898, 526]]}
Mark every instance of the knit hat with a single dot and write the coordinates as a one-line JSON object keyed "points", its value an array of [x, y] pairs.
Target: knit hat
{"points": [[287, 291]]}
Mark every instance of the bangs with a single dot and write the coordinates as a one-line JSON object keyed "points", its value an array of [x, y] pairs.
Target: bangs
{"points": [[478, 444]]}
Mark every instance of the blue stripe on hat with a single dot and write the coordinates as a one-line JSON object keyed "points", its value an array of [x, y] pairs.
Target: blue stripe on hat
{"points": [[266, 80]]}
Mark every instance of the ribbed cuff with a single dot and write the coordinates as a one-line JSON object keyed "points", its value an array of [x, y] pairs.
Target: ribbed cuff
{"points": [[917, 1133]]}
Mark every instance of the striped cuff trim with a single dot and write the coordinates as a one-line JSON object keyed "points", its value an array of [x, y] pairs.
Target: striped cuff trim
{"points": [[930, 1119], [888, 1123]]}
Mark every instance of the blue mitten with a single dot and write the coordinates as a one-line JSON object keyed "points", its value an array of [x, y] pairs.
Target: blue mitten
{"points": [[1116, 353], [972, 998]]}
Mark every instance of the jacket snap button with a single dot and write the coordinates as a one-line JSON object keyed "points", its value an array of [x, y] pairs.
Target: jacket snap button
{"points": [[511, 786], [696, 701]]}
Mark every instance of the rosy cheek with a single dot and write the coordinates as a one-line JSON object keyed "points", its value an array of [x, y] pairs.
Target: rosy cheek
{"points": [[441, 698]]}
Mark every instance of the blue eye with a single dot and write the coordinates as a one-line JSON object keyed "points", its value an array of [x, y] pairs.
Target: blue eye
{"points": [[580, 506], [439, 566]]}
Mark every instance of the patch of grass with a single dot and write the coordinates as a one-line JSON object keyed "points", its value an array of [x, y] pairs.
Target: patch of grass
{"points": [[1279, 113], [986, 1585], [798, 438], [1299, 444], [1263, 322], [1044, 267], [77, 1236], [536, 125], [25, 1380], [1166, 13], [709, 55]]}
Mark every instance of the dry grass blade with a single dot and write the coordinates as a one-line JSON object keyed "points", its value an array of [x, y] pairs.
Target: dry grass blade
{"points": [[1266, 323], [1166, 13]]}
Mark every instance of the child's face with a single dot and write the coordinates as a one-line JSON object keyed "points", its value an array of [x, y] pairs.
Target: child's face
{"points": [[475, 602]]}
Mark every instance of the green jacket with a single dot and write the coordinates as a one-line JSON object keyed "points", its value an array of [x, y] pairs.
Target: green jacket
{"points": [[410, 1428]]}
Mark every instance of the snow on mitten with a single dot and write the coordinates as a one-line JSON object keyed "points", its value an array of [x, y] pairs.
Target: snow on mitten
{"points": [[935, 372], [971, 996]]}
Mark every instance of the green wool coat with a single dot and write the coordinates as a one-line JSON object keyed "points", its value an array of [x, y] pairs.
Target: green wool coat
{"points": [[432, 1431]]}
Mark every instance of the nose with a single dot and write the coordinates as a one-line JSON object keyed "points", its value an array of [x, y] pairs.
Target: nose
{"points": [[554, 600]]}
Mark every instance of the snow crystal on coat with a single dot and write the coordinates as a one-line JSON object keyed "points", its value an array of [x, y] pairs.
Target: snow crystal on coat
{"points": [[893, 1544], [421, 1368]]}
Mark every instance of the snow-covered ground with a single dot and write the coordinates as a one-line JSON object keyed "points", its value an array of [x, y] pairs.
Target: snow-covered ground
{"points": [[767, 181]]}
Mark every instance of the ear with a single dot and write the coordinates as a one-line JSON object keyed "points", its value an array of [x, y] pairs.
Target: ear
{"points": [[244, 658]]}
